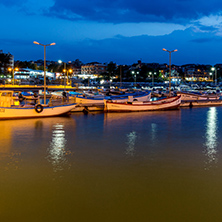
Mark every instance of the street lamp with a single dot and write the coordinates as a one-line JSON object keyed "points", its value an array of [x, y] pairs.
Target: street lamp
{"points": [[175, 50], [66, 71], [13, 73], [37, 43], [215, 69], [133, 73], [70, 71], [151, 73], [211, 74]]}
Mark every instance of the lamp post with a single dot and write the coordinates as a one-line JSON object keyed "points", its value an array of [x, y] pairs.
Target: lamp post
{"points": [[37, 43], [175, 50], [65, 71], [133, 73], [151, 73], [215, 69], [211, 74], [13, 73], [68, 71]]}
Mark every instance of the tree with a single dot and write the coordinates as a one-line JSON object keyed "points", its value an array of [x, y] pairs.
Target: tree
{"points": [[111, 69], [4, 62]]}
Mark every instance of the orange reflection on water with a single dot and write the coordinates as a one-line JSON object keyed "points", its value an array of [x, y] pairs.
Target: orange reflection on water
{"points": [[20, 137]]}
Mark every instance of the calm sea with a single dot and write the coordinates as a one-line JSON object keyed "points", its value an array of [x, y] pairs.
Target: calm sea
{"points": [[150, 166]]}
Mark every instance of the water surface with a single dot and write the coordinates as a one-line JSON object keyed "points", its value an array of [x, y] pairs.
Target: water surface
{"points": [[148, 166]]}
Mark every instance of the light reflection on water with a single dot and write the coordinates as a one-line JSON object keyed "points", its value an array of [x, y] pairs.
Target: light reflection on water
{"points": [[211, 138], [57, 150], [154, 131], [165, 178], [131, 140]]}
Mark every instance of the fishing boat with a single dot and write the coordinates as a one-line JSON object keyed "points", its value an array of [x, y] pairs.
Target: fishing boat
{"points": [[99, 100], [136, 106], [197, 96], [11, 108]]}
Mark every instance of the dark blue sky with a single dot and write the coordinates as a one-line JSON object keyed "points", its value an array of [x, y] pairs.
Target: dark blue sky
{"points": [[122, 31]]}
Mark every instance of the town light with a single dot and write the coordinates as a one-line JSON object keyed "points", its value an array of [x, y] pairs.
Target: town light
{"points": [[13, 73]]}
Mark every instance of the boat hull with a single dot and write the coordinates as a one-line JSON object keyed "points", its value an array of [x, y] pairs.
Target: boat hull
{"points": [[192, 96], [164, 104], [100, 101], [31, 112]]}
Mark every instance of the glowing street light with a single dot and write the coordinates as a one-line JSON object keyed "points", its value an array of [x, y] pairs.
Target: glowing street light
{"points": [[211, 75], [13, 73], [135, 73], [65, 71], [175, 50], [215, 69], [37, 43]]}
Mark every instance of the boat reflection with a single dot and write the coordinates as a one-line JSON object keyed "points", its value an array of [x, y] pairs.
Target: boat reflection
{"points": [[20, 137], [211, 151], [120, 118]]}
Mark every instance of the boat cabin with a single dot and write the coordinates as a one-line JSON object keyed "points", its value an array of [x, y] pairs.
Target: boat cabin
{"points": [[7, 99]]}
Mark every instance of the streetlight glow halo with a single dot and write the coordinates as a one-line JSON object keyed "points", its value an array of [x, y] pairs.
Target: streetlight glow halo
{"points": [[37, 43]]}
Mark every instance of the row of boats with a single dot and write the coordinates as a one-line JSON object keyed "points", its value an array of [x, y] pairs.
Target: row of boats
{"points": [[12, 106]]}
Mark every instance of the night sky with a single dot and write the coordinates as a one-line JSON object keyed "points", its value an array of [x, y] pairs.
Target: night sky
{"points": [[122, 31]]}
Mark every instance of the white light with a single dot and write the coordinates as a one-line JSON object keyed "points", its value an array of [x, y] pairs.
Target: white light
{"points": [[211, 136], [131, 143]]}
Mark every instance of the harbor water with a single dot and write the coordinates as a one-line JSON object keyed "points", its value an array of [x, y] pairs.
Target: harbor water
{"points": [[110, 167]]}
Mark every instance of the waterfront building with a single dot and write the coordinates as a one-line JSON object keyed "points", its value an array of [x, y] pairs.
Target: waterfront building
{"points": [[26, 73], [92, 70], [195, 72]]}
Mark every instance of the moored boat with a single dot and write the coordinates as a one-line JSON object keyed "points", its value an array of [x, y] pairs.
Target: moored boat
{"points": [[12, 109], [197, 96], [99, 100], [162, 104]]}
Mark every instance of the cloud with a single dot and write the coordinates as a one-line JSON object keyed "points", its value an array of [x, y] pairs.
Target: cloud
{"points": [[128, 50], [121, 11]]}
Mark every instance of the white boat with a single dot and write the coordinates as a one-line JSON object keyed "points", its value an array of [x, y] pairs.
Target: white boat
{"points": [[197, 96], [162, 104], [100, 99], [12, 109]]}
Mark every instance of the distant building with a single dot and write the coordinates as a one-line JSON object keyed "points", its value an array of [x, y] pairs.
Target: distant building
{"points": [[92, 70], [195, 72], [29, 73]]}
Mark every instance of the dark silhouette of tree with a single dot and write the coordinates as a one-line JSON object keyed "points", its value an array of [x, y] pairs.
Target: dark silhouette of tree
{"points": [[4, 62], [111, 69]]}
